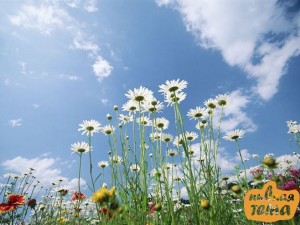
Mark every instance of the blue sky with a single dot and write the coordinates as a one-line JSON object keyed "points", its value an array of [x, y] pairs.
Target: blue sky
{"points": [[63, 62]]}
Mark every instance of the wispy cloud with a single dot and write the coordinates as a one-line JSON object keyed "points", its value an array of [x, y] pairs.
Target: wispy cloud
{"points": [[35, 106], [235, 115], [51, 16], [45, 170], [15, 122], [44, 18], [256, 36], [69, 77], [91, 6]]}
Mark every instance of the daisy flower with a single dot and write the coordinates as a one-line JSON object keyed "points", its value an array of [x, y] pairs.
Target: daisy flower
{"points": [[234, 135], [211, 103], [222, 100], [103, 164], [178, 141], [131, 106], [161, 123], [89, 127], [125, 118], [172, 152], [80, 147], [155, 136], [135, 168], [171, 99], [116, 159], [153, 106], [200, 125], [63, 190], [197, 113], [172, 86], [108, 129], [144, 121], [166, 137], [191, 136], [140, 94], [156, 172]]}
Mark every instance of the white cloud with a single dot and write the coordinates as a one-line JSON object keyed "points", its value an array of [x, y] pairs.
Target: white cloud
{"points": [[104, 101], [234, 114], [102, 68], [44, 18], [44, 170], [51, 16], [69, 77], [91, 6], [15, 122], [35, 106], [73, 3], [82, 42], [245, 31]]}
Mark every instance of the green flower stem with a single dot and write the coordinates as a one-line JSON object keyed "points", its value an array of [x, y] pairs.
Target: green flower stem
{"points": [[242, 160]]}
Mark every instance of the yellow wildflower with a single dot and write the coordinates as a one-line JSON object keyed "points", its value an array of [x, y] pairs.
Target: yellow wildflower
{"points": [[103, 195]]}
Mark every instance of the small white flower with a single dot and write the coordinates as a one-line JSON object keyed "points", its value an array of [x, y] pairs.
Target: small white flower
{"points": [[103, 164], [89, 127], [172, 152], [140, 94], [108, 129], [80, 147], [134, 168], [116, 159], [222, 100], [197, 113], [172, 86], [166, 137], [211, 103], [153, 106], [125, 118], [144, 121], [171, 99], [191, 136], [155, 136], [161, 123], [234, 135], [131, 106]]}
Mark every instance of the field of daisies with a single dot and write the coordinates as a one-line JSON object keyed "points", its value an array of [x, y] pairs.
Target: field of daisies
{"points": [[141, 182]]}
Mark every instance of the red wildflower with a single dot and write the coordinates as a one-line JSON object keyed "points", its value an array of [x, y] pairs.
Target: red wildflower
{"points": [[13, 201], [78, 196], [31, 203]]}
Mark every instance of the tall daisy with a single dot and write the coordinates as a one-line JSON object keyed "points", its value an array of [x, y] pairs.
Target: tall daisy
{"points": [[234, 135], [125, 118], [155, 136], [222, 100], [172, 98], [191, 136], [108, 129], [166, 137], [80, 147], [211, 103], [161, 123], [153, 106], [135, 168], [103, 164], [89, 127], [143, 120], [131, 106], [172, 86], [140, 94], [197, 113]]}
